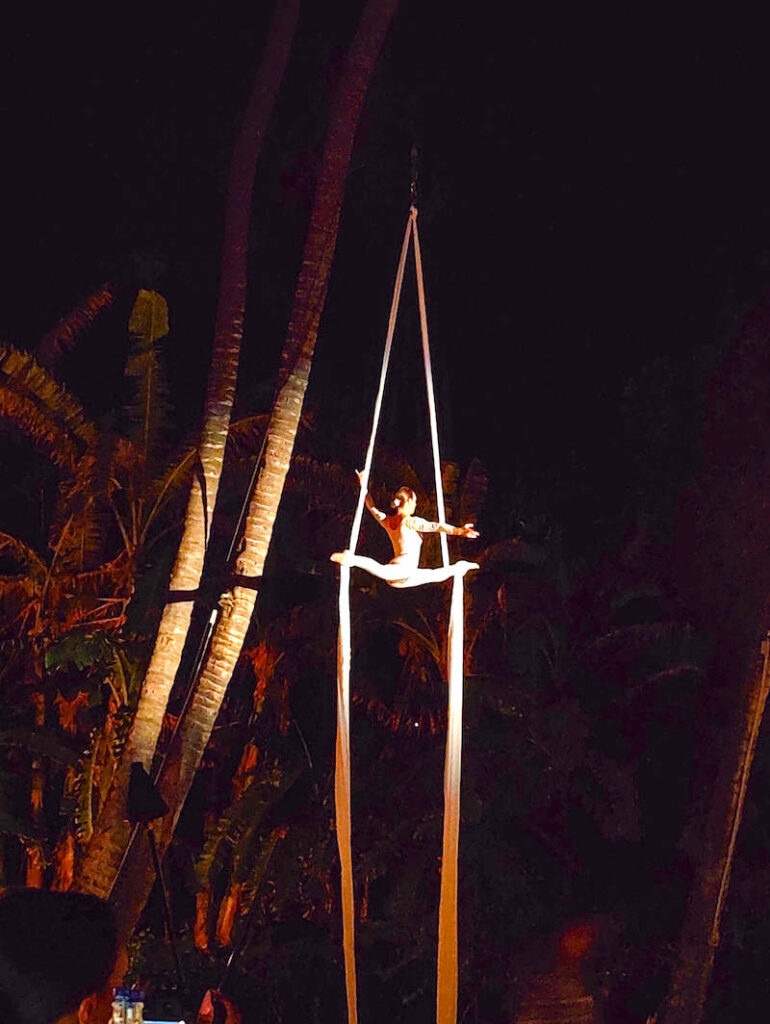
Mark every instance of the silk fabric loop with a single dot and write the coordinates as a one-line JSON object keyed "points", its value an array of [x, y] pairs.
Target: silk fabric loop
{"points": [[446, 993]]}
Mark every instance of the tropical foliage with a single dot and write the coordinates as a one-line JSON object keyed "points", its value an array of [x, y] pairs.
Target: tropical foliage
{"points": [[563, 667], [596, 688], [554, 787], [69, 661]]}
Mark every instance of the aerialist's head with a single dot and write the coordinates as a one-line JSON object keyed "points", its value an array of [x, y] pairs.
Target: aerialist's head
{"points": [[404, 501], [59, 958]]}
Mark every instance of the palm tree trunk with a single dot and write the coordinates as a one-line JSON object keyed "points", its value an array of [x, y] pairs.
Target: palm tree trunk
{"points": [[700, 933], [101, 862], [238, 603]]}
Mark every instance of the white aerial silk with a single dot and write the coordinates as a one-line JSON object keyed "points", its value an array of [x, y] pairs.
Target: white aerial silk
{"points": [[446, 996]]}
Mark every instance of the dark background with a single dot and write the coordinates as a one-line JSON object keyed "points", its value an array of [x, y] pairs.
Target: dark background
{"points": [[593, 210], [594, 219]]}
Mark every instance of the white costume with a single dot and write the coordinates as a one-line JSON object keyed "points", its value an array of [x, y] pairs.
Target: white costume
{"points": [[403, 570]]}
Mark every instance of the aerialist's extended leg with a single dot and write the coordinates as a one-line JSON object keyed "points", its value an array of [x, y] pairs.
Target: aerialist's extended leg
{"points": [[393, 572], [417, 577]]}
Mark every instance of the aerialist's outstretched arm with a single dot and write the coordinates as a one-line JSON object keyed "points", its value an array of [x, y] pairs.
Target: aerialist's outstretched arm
{"points": [[425, 526]]}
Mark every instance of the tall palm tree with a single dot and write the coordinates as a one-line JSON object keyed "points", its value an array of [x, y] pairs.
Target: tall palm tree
{"points": [[723, 567], [238, 603], [99, 866], [699, 938]]}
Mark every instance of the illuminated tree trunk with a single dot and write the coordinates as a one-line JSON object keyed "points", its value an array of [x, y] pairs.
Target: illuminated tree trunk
{"points": [[700, 933], [101, 862], [238, 603]]}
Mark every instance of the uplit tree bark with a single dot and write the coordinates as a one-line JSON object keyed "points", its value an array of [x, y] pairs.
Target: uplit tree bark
{"points": [[699, 937], [237, 604], [99, 866], [722, 559]]}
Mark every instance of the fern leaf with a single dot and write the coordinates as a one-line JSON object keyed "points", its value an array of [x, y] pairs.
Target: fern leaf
{"points": [[23, 555], [64, 334], [44, 410]]}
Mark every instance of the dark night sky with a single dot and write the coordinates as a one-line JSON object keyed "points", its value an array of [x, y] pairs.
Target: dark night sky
{"points": [[595, 196]]}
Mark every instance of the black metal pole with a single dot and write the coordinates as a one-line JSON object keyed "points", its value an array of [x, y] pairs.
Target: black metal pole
{"points": [[166, 903]]}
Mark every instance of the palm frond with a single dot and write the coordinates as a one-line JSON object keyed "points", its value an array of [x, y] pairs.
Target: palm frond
{"points": [[666, 642], [44, 410], [19, 601], [93, 599], [63, 335], [84, 790], [399, 472], [240, 818], [450, 480], [473, 494], [322, 482], [480, 616], [87, 539], [510, 552], [147, 324], [22, 830], [607, 790], [108, 577], [246, 434], [39, 743], [23, 555], [40, 429], [251, 861], [128, 674], [421, 640], [174, 479], [83, 520]]}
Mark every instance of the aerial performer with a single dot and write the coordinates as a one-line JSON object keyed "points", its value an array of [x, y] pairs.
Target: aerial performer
{"points": [[404, 529]]}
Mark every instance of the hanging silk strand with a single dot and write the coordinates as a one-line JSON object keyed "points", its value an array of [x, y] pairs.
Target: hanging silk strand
{"points": [[446, 995]]}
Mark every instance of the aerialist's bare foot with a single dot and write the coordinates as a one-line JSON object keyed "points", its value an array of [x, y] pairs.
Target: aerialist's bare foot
{"points": [[342, 557], [466, 566]]}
